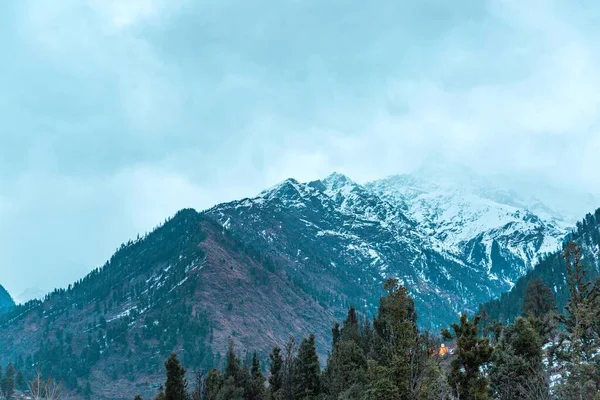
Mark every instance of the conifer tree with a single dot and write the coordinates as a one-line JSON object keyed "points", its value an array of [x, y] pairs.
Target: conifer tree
{"points": [[538, 300], [276, 371], [307, 371], [381, 384], [7, 384], [396, 328], [580, 342], [472, 352], [256, 387], [517, 370], [213, 384], [232, 363], [346, 369], [176, 385], [20, 381]]}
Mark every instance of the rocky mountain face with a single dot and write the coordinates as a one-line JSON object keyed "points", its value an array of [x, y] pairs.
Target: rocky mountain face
{"points": [[187, 287], [552, 271], [489, 227], [6, 302], [288, 261], [450, 242]]}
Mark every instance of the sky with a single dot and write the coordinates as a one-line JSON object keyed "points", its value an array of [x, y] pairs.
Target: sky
{"points": [[116, 113]]}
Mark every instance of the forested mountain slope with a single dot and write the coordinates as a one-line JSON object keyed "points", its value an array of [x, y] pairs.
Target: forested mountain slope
{"points": [[552, 271]]}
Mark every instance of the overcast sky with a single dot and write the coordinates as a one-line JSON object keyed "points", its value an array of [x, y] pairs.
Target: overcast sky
{"points": [[116, 113]]}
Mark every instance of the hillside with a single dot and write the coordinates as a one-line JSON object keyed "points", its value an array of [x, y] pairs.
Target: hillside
{"points": [[291, 259], [186, 287], [6, 302], [552, 271]]}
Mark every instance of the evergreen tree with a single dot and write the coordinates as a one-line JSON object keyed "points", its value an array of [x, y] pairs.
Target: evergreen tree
{"points": [[580, 343], [307, 371], [540, 307], [256, 387], [138, 397], [7, 384], [517, 370], [538, 300], [20, 381], [381, 384], [232, 363], [276, 371], [397, 336], [176, 385], [472, 353], [213, 384], [230, 390], [346, 370]]}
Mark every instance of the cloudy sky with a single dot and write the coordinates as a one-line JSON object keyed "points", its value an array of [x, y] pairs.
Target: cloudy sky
{"points": [[116, 113]]}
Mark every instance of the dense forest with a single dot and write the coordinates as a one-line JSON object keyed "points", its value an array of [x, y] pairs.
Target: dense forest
{"points": [[542, 354]]}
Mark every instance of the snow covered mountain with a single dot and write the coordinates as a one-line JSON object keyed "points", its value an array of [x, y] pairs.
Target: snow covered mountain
{"points": [[493, 228], [452, 243]]}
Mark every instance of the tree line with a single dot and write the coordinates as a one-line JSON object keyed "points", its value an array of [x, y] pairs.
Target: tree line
{"points": [[542, 354]]}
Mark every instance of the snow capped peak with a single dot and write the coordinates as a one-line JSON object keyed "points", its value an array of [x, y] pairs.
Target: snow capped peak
{"points": [[337, 183], [285, 188]]}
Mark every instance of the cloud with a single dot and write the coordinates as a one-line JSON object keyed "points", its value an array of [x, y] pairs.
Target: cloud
{"points": [[117, 113]]}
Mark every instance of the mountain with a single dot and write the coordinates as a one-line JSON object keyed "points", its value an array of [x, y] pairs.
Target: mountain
{"points": [[488, 226], [290, 260], [447, 234], [552, 271], [29, 294], [186, 287], [6, 302]]}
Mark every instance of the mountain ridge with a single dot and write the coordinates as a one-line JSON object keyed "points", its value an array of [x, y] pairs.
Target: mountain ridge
{"points": [[297, 254]]}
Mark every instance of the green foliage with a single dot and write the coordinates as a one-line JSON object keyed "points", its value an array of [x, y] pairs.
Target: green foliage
{"points": [[276, 376], [472, 353], [517, 370], [7, 383], [538, 300], [176, 385], [579, 348], [307, 371]]}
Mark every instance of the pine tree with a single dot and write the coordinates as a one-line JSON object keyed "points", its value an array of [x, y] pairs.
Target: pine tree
{"points": [[213, 384], [256, 387], [381, 384], [20, 381], [230, 390], [540, 307], [307, 371], [276, 371], [176, 385], [7, 384], [232, 363], [346, 369], [138, 397], [472, 353], [538, 300], [580, 343], [517, 370], [397, 336]]}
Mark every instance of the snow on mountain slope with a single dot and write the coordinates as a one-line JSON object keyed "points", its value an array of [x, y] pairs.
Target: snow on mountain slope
{"points": [[449, 235], [463, 214], [341, 241]]}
